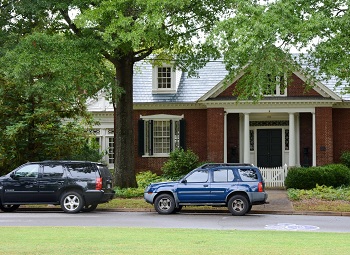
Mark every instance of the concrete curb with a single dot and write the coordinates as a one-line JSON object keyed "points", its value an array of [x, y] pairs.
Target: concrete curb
{"points": [[206, 211]]}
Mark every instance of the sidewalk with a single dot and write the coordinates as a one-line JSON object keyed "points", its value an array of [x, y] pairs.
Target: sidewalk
{"points": [[278, 202]]}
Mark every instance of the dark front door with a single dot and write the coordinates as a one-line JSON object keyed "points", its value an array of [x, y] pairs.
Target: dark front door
{"points": [[269, 146]]}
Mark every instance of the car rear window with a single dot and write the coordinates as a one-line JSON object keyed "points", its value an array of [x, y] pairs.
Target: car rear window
{"points": [[82, 170], [104, 171], [248, 175]]}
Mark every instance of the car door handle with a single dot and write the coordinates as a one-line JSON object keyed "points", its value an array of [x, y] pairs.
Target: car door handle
{"points": [[205, 185]]}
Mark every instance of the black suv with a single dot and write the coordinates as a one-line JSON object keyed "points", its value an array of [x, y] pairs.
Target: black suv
{"points": [[237, 186], [75, 185]]}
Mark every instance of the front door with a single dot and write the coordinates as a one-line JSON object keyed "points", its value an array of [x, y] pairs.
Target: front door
{"points": [[269, 147]]}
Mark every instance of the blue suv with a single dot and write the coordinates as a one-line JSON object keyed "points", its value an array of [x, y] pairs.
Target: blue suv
{"points": [[237, 186]]}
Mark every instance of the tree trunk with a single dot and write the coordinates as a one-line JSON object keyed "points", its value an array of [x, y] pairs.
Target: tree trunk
{"points": [[124, 162]]}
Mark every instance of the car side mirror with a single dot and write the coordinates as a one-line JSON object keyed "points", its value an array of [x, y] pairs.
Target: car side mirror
{"points": [[183, 181], [13, 176]]}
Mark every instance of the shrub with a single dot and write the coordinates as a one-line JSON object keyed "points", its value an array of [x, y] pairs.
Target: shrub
{"points": [[345, 158], [143, 180], [180, 163], [334, 175]]}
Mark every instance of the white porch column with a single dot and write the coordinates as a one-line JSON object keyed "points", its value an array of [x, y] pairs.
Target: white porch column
{"points": [[313, 139], [246, 153], [292, 137], [225, 137]]}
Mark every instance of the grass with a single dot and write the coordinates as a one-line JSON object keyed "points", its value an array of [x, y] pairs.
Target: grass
{"points": [[110, 240]]}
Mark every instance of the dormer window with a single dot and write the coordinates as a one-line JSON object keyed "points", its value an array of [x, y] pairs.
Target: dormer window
{"points": [[277, 86], [165, 79]]}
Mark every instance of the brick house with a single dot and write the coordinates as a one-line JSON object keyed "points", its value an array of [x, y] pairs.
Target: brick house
{"points": [[291, 127]]}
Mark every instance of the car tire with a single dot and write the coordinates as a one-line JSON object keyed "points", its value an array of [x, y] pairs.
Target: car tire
{"points": [[72, 202], [238, 205], [164, 204], [89, 208], [8, 208]]}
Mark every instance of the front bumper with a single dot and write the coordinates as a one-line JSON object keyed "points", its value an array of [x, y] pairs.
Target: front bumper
{"points": [[149, 197]]}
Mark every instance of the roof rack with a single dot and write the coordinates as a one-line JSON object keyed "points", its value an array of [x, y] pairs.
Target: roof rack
{"points": [[209, 165]]}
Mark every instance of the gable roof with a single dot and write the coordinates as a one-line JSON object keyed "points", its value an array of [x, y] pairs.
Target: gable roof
{"points": [[190, 89], [208, 84]]}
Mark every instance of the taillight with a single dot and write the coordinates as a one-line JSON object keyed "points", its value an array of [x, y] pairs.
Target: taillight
{"points": [[260, 187], [98, 183]]}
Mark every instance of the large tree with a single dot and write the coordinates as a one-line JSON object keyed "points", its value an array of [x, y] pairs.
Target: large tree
{"points": [[261, 36], [42, 99], [124, 32]]}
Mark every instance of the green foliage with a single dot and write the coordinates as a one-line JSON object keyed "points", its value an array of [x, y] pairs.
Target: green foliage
{"points": [[180, 163], [345, 158], [321, 192], [42, 100], [334, 175], [143, 180]]}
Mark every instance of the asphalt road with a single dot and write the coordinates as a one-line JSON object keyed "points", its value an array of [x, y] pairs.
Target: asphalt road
{"points": [[222, 221]]}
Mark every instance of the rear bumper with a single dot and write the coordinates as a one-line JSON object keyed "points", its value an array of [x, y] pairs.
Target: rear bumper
{"points": [[98, 196], [258, 198]]}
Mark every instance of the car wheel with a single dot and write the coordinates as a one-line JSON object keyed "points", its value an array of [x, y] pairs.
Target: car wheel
{"points": [[238, 205], [89, 208], [72, 202], [8, 208], [164, 204]]}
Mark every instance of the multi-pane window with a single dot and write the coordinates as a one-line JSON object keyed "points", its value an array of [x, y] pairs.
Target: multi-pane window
{"points": [[159, 137], [277, 86], [164, 77], [110, 150]]}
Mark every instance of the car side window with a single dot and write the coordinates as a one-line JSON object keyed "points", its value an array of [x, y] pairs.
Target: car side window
{"points": [[198, 176], [82, 170], [28, 171], [248, 174], [53, 171], [223, 175]]}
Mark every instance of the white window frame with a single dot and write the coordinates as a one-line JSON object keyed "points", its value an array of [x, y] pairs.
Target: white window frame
{"points": [[175, 137], [174, 80], [278, 87]]}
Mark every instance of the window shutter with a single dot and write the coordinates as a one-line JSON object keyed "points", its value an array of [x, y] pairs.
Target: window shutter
{"points": [[182, 134], [171, 136], [141, 137], [150, 123]]}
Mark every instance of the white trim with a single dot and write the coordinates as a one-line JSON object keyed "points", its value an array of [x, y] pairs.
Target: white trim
{"points": [[175, 76], [319, 87], [162, 117]]}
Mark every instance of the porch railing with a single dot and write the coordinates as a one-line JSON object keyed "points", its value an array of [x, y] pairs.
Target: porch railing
{"points": [[274, 176]]}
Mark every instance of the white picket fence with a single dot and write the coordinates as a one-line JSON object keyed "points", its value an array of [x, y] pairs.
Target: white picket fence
{"points": [[274, 177]]}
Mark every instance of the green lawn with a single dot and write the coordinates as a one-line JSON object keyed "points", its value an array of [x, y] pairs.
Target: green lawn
{"points": [[111, 240]]}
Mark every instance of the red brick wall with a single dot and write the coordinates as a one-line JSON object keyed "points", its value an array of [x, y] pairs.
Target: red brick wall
{"points": [[215, 135], [324, 135], [297, 88], [233, 138], [341, 131], [196, 137], [305, 139]]}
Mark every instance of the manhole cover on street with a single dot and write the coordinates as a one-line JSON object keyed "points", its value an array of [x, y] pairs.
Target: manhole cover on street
{"points": [[291, 227]]}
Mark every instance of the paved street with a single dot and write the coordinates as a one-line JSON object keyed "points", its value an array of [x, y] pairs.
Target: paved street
{"points": [[221, 221]]}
